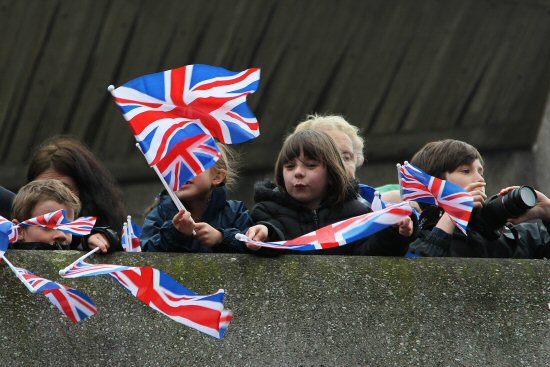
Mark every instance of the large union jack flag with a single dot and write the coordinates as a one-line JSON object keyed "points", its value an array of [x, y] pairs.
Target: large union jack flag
{"points": [[191, 157], [342, 233], [161, 292], [417, 185], [196, 98], [57, 220], [76, 305]]}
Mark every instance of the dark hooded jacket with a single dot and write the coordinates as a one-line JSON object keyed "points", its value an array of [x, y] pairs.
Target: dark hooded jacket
{"points": [[525, 240], [287, 218], [228, 216]]}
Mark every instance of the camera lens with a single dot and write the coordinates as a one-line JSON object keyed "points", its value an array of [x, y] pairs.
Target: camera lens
{"points": [[519, 200]]}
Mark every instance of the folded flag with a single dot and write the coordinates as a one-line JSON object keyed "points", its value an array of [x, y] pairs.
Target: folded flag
{"points": [[377, 202], [341, 233], [76, 305], [57, 220], [417, 185], [161, 292], [131, 232]]}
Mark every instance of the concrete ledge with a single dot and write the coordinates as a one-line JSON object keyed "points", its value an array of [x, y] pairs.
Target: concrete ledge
{"points": [[292, 310]]}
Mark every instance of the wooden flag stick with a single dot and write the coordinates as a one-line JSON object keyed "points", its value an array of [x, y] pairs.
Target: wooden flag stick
{"points": [[20, 276], [90, 253]]}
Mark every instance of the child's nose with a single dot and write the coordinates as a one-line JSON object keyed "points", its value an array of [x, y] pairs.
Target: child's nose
{"points": [[299, 171], [60, 237]]}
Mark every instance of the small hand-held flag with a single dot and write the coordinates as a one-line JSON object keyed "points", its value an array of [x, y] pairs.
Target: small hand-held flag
{"points": [[131, 232], [417, 185], [341, 233], [57, 220]]}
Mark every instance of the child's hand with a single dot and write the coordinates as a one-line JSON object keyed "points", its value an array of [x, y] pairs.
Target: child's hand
{"points": [[477, 189], [207, 235], [184, 223], [539, 211], [405, 227], [98, 240], [258, 232]]}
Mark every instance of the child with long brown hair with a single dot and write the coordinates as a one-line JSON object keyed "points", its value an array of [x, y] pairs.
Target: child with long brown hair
{"points": [[312, 191]]}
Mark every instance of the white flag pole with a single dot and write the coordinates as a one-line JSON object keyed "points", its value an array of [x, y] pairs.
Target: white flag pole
{"points": [[20, 276], [125, 231], [399, 180], [90, 253]]}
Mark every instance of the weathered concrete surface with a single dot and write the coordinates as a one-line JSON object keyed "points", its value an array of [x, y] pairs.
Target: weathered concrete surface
{"points": [[293, 310]]}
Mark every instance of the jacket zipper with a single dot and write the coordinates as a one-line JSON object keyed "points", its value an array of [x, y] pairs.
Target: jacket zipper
{"points": [[315, 218]]}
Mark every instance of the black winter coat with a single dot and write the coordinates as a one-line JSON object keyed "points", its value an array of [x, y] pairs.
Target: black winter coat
{"points": [[287, 218], [525, 240]]}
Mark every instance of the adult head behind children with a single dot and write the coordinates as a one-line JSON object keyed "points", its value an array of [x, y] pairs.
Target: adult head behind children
{"points": [[346, 136], [41, 197], [70, 161]]}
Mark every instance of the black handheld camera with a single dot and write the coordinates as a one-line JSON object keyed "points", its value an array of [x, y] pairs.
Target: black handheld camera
{"points": [[488, 219]]}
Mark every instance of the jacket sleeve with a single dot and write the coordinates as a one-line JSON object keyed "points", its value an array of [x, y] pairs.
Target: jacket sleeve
{"points": [[240, 224], [159, 234], [432, 243], [533, 241]]}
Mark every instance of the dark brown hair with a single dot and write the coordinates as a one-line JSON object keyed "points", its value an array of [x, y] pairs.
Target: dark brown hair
{"points": [[317, 145], [444, 156], [99, 193]]}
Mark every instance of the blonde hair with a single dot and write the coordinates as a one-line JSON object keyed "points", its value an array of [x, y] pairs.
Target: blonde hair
{"points": [[35, 192], [335, 122], [229, 161]]}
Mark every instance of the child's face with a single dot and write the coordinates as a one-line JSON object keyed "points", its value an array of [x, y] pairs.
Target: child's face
{"points": [[345, 148], [198, 188], [47, 235], [306, 180], [466, 174]]}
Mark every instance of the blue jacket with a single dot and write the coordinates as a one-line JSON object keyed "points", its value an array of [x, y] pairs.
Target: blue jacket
{"points": [[228, 216]]}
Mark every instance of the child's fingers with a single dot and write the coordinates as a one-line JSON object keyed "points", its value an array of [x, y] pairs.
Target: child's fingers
{"points": [[253, 247]]}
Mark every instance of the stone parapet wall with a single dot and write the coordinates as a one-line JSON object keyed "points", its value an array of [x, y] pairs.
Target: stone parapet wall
{"points": [[292, 310]]}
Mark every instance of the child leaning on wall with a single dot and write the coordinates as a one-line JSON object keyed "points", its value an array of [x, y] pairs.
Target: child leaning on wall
{"points": [[209, 214], [41, 197], [461, 163]]}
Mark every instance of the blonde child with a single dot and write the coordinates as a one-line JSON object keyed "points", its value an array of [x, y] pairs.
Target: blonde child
{"points": [[41, 197], [213, 219], [313, 190]]}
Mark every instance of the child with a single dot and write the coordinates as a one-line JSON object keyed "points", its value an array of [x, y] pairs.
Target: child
{"points": [[312, 191], [460, 163], [41, 197], [205, 199]]}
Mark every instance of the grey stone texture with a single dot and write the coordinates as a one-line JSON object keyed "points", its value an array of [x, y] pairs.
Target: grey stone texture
{"points": [[292, 310]]}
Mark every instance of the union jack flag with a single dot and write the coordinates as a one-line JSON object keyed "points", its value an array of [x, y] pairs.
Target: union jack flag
{"points": [[76, 305], [417, 185], [161, 292], [8, 234], [343, 232], [131, 232], [211, 99], [190, 158], [57, 220]]}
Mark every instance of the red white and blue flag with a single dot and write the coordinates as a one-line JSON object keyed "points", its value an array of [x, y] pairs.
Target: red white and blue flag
{"points": [[8, 234], [190, 158], [57, 220], [131, 232], [161, 292], [76, 305], [417, 185], [342, 233]]}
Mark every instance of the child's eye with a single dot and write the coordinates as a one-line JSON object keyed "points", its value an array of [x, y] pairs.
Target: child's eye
{"points": [[289, 166]]}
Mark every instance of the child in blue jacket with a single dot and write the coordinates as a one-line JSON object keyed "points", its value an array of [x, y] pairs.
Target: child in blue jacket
{"points": [[210, 221]]}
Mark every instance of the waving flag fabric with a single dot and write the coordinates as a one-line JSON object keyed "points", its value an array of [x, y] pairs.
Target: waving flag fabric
{"points": [[190, 158], [76, 305], [417, 185], [161, 292], [212, 99], [57, 220], [343, 232]]}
